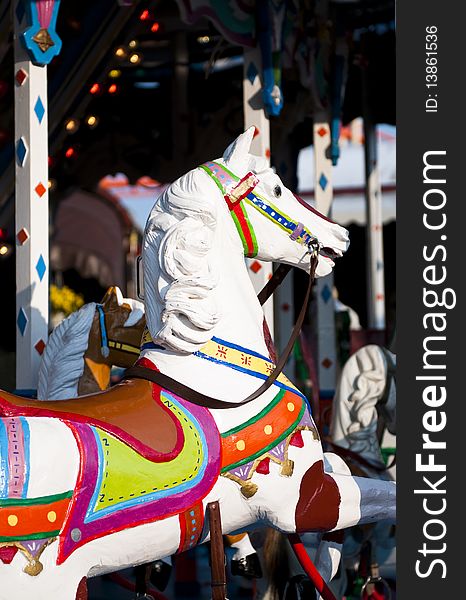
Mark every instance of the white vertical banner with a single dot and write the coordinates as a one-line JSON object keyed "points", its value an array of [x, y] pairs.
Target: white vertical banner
{"points": [[32, 214], [254, 115], [323, 193]]}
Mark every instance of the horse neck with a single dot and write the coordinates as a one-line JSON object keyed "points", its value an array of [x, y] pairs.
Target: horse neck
{"points": [[242, 320], [241, 325]]}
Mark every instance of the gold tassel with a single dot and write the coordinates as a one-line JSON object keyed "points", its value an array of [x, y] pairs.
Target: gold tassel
{"points": [[33, 568], [248, 489], [287, 468]]}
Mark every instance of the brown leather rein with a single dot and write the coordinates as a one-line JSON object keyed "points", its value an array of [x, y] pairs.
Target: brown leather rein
{"points": [[170, 384]]}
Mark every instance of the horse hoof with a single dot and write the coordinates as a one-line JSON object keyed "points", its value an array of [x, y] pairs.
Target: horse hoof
{"points": [[160, 574], [248, 567]]}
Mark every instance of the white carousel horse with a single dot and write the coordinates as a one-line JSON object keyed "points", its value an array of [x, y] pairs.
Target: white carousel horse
{"points": [[78, 358], [123, 477]]}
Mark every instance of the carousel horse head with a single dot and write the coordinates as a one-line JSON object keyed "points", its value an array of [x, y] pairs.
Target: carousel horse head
{"points": [[82, 349], [204, 224]]}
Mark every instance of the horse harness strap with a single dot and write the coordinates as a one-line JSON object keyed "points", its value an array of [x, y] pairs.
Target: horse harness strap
{"points": [[170, 384], [123, 347]]}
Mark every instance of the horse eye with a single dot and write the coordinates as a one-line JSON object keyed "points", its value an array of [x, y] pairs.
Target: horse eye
{"points": [[277, 190]]}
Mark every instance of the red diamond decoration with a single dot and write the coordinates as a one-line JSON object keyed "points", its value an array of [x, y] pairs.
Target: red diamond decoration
{"points": [[40, 347], [379, 297], [256, 131], [326, 363], [263, 467], [21, 76], [322, 131], [40, 190], [22, 236], [286, 307], [255, 266], [297, 440]]}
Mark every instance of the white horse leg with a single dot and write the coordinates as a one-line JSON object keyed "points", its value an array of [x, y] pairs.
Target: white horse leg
{"points": [[242, 546], [364, 500], [245, 561]]}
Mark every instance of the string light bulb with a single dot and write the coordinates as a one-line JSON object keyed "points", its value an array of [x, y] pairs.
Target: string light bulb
{"points": [[72, 125], [133, 44], [70, 152], [92, 121], [155, 27], [95, 88], [113, 89], [114, 73], [120, 52], [135, 58]]}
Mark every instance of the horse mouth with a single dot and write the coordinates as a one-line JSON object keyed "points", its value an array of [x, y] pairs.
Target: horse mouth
{"points": [[330, 254]]}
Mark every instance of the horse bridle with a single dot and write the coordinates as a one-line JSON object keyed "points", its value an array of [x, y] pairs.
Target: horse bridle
{"points": [[238, 192], [234, 196], [107, 343]]}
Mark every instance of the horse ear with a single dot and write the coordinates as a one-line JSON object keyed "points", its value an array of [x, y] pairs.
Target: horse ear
{"points": [[111, 297], [236, 156]]}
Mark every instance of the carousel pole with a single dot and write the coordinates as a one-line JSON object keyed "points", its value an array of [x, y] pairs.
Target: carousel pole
{"points": [[374, 227], [326, 131], [35, 44], [323, 194], [254, 116]]}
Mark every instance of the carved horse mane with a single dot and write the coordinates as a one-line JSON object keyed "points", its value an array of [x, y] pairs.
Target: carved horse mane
{"points": [[364, 382]]}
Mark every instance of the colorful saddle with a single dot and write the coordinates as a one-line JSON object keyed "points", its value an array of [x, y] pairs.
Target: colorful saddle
{"points": [[145, 455]]}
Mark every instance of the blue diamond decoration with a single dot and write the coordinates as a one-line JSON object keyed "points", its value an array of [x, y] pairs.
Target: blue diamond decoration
{"points": [[20, 10], [323, 181], [39, 109], [379, 265], [22, 321], [21, 151], [41, 267], [252, 72], [326, 293]]}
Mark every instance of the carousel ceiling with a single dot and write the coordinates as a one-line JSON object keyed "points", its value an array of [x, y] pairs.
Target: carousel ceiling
{"points": [[137, 89]]}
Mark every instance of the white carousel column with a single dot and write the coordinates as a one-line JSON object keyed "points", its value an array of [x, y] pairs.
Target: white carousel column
{"points": [[374, 228], [32, 216], [254, 115], [323, 193]]}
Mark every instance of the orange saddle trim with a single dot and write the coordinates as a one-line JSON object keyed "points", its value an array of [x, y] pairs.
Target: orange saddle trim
{"points": [[131, 411]]}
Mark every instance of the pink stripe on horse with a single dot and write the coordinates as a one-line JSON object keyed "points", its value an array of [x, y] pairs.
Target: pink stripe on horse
{"points": [[16, 458]]}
